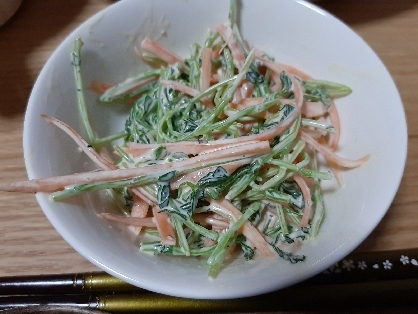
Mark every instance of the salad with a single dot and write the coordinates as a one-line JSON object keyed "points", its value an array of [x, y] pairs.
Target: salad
{"points": [[220, 151]]}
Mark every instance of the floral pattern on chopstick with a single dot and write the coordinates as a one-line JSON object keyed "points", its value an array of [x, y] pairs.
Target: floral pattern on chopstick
{"points": [[361, 267], [349, 264]]}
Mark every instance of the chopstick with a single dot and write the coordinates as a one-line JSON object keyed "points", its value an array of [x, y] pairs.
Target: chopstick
{"points": [[72, 283], [377, 278], [382, 294], [355, 268]]}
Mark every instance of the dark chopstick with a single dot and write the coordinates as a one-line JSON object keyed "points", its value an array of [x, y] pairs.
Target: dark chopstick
{"points": [[382, 294], [355, 268], [377, 279], [83, 283]]}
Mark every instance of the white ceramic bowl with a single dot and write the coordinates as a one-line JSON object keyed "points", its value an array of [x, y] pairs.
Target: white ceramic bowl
{"points": [[294, 32]]}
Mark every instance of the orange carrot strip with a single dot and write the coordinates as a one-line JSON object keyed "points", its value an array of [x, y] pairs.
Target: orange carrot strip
{"points": [[156, 49], [248, 230], [202, 161], [94, 156], [328, 153], [183, 88], [154, 63], [206, 69], [164, 227], [313, 109], [144, 195], [187, 147], [190, 147], [335, 121], [288, 68], [335, 169], [87, 149], [100, 87], [295, 72], [246, 89], [138, 210], [238, 56], [296, 86], [217, 52], [308, 200]]}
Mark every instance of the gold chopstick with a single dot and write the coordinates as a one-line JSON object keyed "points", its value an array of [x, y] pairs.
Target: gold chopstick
{"points": [[355, 268], [377, 279], [84, 283], [376, 295]]}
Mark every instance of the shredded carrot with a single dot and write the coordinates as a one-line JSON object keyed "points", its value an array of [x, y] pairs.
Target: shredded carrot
{"points": [[158, 50], [324, 150], [335, 121], [188, 91], [335, 169], [100, 87], [237, 54], [313, 109], [206, 69], [248, 230], [165, 229], [200, 161]]}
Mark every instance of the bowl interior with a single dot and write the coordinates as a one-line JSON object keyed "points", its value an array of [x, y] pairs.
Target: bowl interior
{"points": [[294, 32]]}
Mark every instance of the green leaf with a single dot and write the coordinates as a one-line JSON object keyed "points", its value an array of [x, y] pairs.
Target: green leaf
{"points": [[168, 176], [248, 251], [288, 255], [163, 194]]}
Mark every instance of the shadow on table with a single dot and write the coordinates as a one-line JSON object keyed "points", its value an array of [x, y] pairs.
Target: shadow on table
{"points": [[33, 24], [364, 11]]}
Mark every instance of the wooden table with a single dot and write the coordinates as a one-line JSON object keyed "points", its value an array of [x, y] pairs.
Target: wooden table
{"points": [[29, 244]]}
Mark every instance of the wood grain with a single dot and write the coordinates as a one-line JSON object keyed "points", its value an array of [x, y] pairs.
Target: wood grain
{"points": [[30, 245]]}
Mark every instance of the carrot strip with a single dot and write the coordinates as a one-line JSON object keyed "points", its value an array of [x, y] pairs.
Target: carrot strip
{"points": [[246, 89], [327, 152], [138, 210], [201, 161], [156, 49], [296, 85], [100, 87], [335, 121], [238, 56], [190, 147], [313, 109], [248, 230], [335, 169], [188, 91], [94, 156], [87, 149], [206, 69], [147, 197], [187, 147], [164, 227], [295, 72]]}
